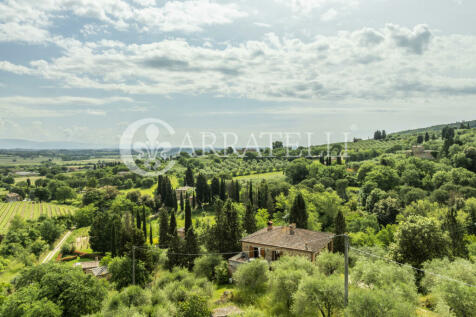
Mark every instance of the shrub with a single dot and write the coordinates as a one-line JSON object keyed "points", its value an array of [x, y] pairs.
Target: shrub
{"points": [[194, 306], [251, 278], [205, 266], [221, 273], [328, 263]]}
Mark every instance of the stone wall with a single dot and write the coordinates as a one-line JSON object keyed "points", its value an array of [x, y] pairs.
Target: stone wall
{"points": [[248, 247]]}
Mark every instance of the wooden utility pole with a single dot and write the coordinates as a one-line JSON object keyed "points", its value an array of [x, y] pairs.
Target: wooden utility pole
{"points": [[346, 270], [133, 265]]}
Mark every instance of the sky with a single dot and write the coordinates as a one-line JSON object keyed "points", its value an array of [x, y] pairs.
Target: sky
{"points": [[84, 70]]}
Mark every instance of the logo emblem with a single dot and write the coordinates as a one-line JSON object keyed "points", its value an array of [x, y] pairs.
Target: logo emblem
{"points": [[142, 150]]}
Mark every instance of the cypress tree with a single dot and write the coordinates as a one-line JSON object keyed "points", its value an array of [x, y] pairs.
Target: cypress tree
{"points": [[237, 191], [175, 201], [194, 201], [188, 216], [114, 240], [174, 257], [215, 188], [138, 219], [263, 195], [456, 232], [172, 224], [340, 228], [222, 189], [181, 202], [249, 221], [144, 223], [232, 228], [189, 181], [298, 214], [250, 192], [203, 191], [151, 240], [191, 248], [163, 228]]}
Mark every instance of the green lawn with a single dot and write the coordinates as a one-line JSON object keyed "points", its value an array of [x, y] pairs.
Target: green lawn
{"points": [[14, 267]]}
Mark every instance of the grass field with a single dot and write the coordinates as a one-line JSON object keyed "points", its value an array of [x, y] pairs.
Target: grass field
{"points": [[24, 178], [29, 210], [259, 177]]}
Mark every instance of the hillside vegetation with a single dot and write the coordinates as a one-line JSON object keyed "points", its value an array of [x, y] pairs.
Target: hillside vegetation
{"points": [[410, 217]]}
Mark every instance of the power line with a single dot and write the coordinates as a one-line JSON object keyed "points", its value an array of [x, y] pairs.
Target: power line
{"points": [[412, 267], [230, 252]]}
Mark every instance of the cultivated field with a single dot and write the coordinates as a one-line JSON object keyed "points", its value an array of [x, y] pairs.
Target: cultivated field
{"points": [[29, 210]]}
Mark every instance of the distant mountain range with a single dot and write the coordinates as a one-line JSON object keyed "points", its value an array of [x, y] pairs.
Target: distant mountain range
{"points": [[52, 145], [438, 127], [10, 144]]}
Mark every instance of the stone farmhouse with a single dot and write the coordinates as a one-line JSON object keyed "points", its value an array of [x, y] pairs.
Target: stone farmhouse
{"points": [[273, 242]]}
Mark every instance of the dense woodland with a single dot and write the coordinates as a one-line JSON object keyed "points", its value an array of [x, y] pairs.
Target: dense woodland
{"points": [[411, 223]]}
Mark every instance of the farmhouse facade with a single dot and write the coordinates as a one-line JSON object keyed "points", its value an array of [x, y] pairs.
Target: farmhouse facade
{"points": [[273, 242], [11, 197]]}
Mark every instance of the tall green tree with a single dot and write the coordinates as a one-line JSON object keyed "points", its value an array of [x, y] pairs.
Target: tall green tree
{"points": [[172, 224], [222, 189], [202, 189], [456, 232], [249, 221], [340, 229], [182, 206], [189, 179], [419, 239], [151, 239], [144, 223], [263, 194], [188, 216], [250, 192], [191, 248], [174, 253], [232, 227], [341, 188], [298, 214], [163, 228], [99, 232], [215, 188], [138, 221]]}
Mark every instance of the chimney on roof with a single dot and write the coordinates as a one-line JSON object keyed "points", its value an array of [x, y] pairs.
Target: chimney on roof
{"points": [[270, 225], [291, 228]]}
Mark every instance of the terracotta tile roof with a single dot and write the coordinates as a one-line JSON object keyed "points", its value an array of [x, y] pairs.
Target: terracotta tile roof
{"points": [[302, 239], [88, 265], [100, 270]]}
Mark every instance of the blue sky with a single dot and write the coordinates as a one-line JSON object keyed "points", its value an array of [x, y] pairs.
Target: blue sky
{"points": [[83, 70]]}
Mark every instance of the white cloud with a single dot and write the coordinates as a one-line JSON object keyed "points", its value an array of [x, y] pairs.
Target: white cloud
{"points": [[29, 21], [61, 100], [96, 112], [307, 6], [414, 41], [383, 64], [329, 15], [16, 69], [188, 16], [263, 25]]}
